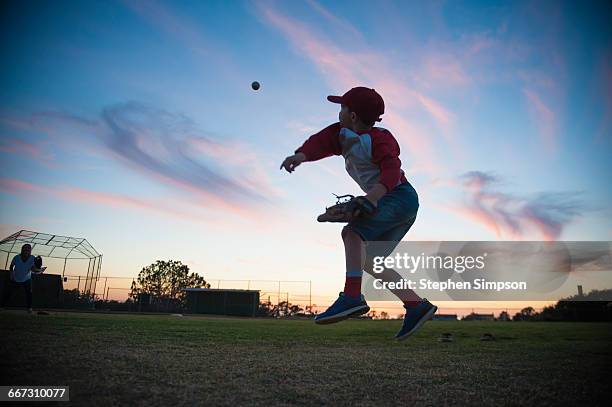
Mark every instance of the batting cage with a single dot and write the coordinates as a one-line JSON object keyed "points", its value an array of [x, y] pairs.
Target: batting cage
{"points": [[71, 261]]}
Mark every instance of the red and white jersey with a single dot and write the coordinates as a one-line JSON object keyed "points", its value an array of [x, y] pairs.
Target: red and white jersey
{"points": [[370, 158]]}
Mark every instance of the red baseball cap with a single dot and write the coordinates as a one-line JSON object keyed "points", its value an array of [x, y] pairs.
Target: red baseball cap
{"points": [[365, 102]]}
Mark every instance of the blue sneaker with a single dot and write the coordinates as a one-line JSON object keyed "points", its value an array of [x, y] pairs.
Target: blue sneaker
{"points": [[416, 317], [343, 308]]}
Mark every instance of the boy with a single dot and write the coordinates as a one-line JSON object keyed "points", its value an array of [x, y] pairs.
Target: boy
{"points": [[372, 159]]}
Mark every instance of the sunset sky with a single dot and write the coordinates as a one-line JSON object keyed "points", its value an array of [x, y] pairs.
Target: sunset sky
{"points": [[133, 124]]}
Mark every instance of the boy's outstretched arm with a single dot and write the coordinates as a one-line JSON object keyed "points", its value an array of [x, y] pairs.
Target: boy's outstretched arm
{"points": [[320, 145]]}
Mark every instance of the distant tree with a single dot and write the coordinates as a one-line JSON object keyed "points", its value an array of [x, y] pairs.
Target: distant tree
{"points": [[593, 295], [526, 314], [265, 309], [165, 280], [384, 315], [283, 309], [73, 298], [503, 316], [295, 309], [308, 309], [593, 306]]}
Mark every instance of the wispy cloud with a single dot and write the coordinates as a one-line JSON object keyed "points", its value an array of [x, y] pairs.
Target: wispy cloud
{"points": [[544, 118], [168, 148], [16, 186], [514, 216], [160, 143], [344, 69], [443, 70], [102, 199], [29, 150], [441, 114], [551, 212], [340, 24]]}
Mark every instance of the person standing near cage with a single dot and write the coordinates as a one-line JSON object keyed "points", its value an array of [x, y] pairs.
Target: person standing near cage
{"points": [[20, 275]]}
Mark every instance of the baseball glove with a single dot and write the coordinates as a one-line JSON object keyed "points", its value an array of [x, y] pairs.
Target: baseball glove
{"points": [[38, 262], [345, 211]]}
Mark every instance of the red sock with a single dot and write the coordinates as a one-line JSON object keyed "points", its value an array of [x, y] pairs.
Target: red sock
{"points": [[410, 304], [352, 284]]}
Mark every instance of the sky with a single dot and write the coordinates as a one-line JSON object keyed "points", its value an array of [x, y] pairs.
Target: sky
{"points": [[133, 124]]}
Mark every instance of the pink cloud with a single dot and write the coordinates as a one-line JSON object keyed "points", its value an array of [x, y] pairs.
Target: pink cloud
{"points": [[17, 186], [28, 150], [544, 118], [235, 154], [218, 213], [344, 70], [341, 25], [462, 64], [54, 128], [548, 232], [515, 217], [415, 143], [330, 59], [480, 216], [168, 148], [103, 199], [442, 115], [481, 43], [443, 70]]}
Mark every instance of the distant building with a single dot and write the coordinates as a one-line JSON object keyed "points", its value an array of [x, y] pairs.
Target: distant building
{"points": [[445, 317], [222, 301], [479, 317]]}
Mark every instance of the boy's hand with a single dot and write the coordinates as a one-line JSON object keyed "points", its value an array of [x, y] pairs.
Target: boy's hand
{"points": [[293, 161]]}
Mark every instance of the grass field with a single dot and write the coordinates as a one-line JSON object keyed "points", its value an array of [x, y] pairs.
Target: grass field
{"points": [[166, 360]]}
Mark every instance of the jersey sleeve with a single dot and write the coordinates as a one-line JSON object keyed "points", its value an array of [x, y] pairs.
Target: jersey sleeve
{"points": [[385, 153], [322, 144]]}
